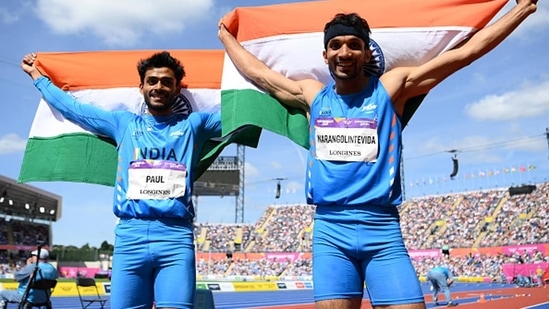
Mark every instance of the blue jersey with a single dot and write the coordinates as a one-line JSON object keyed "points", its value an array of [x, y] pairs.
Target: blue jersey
{"points": [[355, 151], [46, 271], [443, 270], [157, 155]]}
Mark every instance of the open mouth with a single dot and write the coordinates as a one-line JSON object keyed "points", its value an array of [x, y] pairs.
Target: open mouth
{"points": [[158, 95], [345, 64]]}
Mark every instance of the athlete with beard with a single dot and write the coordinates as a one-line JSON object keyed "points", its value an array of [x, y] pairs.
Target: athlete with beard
{"points": [[158, 152], [353, 173]]}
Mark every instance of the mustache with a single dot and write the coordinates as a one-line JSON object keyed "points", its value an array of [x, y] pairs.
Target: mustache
{"points": [[180, 105], [159, 92], [162, 107]]}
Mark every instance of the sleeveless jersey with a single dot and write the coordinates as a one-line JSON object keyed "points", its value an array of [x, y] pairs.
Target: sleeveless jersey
{"points": [[354, 158], [156, 155]]}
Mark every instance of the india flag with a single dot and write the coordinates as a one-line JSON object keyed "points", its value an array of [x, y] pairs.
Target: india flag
{"points": [[289, 39], [59, 150], [286, 37]]}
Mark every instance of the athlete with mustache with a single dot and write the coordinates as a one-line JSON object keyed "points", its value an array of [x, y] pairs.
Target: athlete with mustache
{"points": [[353, 173], [158, 152]]}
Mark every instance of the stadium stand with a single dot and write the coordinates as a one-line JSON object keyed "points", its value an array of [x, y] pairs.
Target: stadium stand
{"points": [[279, 243], [467, 221]]}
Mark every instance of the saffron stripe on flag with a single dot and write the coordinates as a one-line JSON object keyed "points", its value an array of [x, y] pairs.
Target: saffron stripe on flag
{"points": [[58, 150], [251, 23], [118, 69], [404, 33]]}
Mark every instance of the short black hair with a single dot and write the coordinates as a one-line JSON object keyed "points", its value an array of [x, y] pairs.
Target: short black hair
{"points": [[161, 60]]}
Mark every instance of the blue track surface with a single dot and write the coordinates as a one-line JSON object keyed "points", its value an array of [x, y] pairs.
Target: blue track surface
{"points": [[242, 300]]}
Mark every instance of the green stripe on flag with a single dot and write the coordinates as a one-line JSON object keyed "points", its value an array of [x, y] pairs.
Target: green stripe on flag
{"points": [[86, 158], [245, 107], [78, 157]]}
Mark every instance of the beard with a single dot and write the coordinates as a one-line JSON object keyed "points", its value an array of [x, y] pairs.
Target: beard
{"points": [[159, 107]]}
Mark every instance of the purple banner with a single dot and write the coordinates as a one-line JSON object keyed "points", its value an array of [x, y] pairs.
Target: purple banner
{"points": [[345, 123], [169, 165]]}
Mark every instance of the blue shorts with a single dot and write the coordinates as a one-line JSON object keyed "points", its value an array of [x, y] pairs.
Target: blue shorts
{"points": [[353, 246], [153, 260]]}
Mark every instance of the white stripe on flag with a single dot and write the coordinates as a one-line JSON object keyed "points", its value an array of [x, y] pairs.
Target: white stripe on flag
{"points": [[50, 123], [299, 56]]}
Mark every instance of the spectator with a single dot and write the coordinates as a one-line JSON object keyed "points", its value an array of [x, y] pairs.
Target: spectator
{"points": [[441, 278], [539, 275], [23, 276]]}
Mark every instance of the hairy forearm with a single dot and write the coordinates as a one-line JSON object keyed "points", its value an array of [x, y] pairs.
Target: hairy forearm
{"points": [[488, 38], [285, 90]]}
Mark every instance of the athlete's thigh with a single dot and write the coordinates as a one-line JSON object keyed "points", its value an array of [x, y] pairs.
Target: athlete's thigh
{"points": [[132, 280], [391, 280], [175, 273], [336, 274]]}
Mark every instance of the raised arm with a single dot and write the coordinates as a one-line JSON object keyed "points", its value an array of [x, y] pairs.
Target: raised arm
{"points": [[407, 82], [292, 93], [87, 116], [27, 64]]}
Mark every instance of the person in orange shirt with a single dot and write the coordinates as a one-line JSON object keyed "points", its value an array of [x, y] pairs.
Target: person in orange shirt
{"points": [[544, 278]]}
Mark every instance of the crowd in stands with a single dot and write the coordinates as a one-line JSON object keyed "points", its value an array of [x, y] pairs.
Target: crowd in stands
{"points": [[523, 219], [23, 233], [488, 218], [21, 236], [262, 268], [470, 266], [288, 226], [484, 218], [29, 234]]}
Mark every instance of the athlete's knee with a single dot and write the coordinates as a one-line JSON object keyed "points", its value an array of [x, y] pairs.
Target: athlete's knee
{"points": [[347, 303], [403, 306]]}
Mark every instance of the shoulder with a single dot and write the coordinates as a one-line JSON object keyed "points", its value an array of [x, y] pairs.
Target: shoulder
{"points": [[310, 84], [198, 119], [124, 114], [310, 88], [202, 115], [396, 83], [46, 265], [395, 80], [49, 270]]}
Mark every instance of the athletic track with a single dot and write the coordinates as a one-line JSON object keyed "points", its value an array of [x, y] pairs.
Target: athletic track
{"points": [[468, 295]]}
